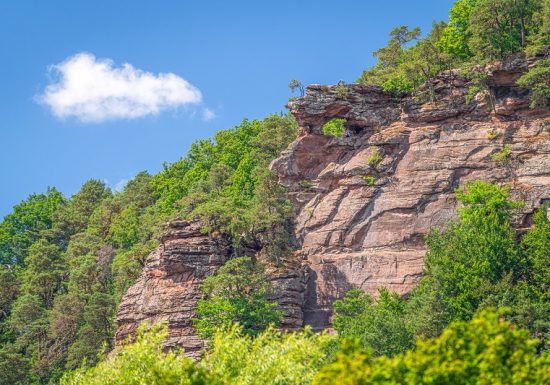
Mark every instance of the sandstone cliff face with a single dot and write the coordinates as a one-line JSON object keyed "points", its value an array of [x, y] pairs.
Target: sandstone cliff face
{"points": [[168, 288], [361, 222]]}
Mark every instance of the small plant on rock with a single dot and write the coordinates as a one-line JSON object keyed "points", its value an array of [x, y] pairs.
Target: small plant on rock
{"points": [[341, 90], [503, 155], [305, 184], [297, 85], [335, 127], [375, 156], [369, 179], [492, 135]]}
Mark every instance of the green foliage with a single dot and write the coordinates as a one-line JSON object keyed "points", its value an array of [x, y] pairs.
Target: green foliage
{"points": [[143, 362], [537, 249], [486, 350], [502, 155], [478, 31], [237, 293], [538, 80], [402, 66], [369, 179], [341, 90], [296, 85], [455, 38], [380, 327], [375, 156], [21, 228], [272, 357], [492, 135], [65, 263], [498, 28], [335, 127], [471, 256]]}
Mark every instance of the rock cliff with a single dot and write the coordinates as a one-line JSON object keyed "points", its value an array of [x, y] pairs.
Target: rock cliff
{"points": [[364, 202], [169, 285]]}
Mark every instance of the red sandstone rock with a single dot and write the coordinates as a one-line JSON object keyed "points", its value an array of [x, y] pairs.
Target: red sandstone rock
{"points": [[351, 233], [354, 234]]}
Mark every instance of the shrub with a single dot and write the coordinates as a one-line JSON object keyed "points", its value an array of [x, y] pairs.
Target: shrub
{"points": [[335, 127], [341, 90], [369, 179], [503, 155], [538, 80], [273, 357], [142, 362], [486, 350], [492, 135], [375, 156], [379, 326], [237, 293]]}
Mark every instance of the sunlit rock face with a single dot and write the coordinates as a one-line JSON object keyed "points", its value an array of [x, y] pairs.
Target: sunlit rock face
{"points": [[361, 222], [168, 288]]}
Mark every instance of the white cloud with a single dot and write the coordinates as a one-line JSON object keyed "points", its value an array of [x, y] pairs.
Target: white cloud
{"points": [[119, 186], [95, 90], [208, 114]]}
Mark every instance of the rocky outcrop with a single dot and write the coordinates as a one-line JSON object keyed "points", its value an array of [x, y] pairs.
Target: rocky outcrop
{"points": [[365, 201], [168, 288]]}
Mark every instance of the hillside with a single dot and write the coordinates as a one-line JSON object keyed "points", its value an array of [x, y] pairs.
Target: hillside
{"points": [[393, 230]]}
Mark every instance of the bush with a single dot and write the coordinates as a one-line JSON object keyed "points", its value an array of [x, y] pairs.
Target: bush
{"points": [[503, 155], [237, 293], [335, 127], [486, 350], [369, 180], [380, 327], [538, 80], [273, 357], [142, 362], [375, 156]]}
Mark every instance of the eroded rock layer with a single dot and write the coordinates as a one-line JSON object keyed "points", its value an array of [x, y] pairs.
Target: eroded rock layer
{"points": [[365, 201], [168, 288]]}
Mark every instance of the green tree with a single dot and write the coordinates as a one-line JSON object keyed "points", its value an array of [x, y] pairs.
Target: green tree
{"points": [[501, 27], [380, 327], [471, 256], [485, 350], [456, 36], [272, 357], [21, 228], [143, 362], [537, 249], [237, 293], [44, 273], [537, 79]]}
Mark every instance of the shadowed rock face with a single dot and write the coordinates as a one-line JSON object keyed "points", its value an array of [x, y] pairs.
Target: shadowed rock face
{"points": [[352, 233]]}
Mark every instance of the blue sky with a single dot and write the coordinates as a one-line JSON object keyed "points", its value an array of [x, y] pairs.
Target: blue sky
{"points": [[237, 55]]}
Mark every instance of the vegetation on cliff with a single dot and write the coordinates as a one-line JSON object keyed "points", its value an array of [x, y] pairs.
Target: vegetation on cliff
{"points": [[447, 331], [478, 32]]}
